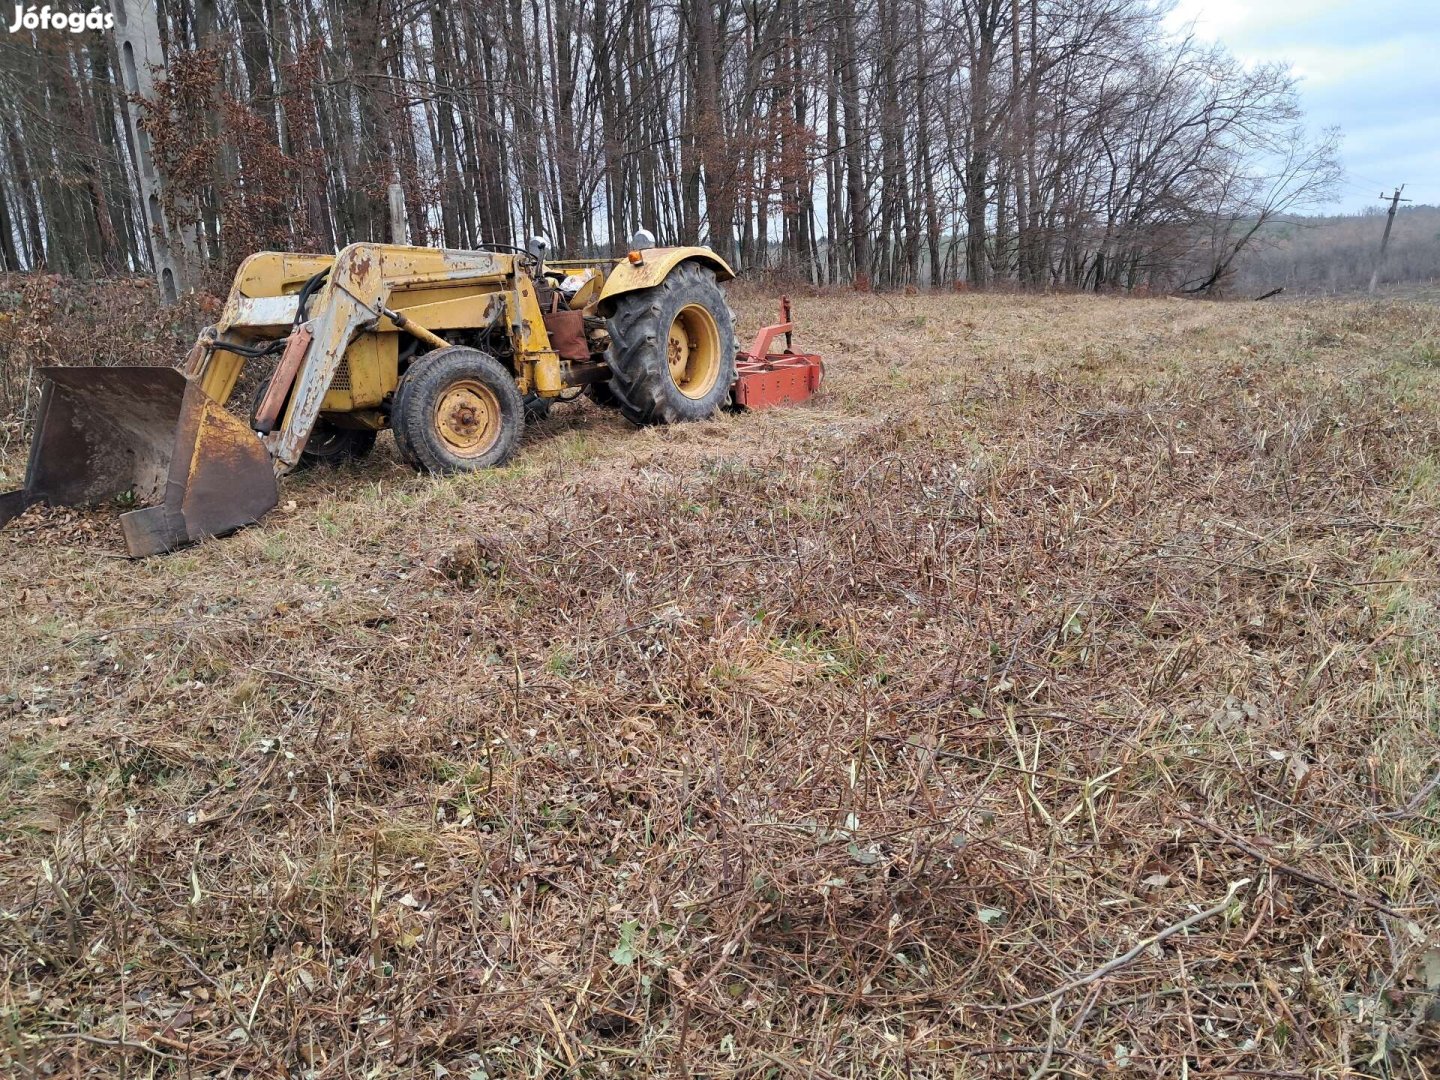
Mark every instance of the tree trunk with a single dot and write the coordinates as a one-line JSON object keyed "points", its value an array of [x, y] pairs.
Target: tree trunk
{"points": [[859, 238]]}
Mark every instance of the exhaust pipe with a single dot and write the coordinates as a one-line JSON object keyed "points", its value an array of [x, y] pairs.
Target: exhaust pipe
{"points": [[152, 435]]}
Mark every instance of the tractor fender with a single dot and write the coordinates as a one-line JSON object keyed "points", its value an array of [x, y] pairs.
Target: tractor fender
{"points": [[654, 268]]}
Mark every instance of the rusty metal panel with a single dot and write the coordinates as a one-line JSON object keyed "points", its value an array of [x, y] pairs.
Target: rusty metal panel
{"points": [[151, 435], [103, 432], [227, 480]]}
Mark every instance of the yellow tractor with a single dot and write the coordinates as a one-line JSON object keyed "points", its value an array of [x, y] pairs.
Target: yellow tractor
{"points": [[450, 350]]}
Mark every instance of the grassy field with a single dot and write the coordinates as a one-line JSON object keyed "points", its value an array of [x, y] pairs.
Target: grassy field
{"points": [[1054, 695]]}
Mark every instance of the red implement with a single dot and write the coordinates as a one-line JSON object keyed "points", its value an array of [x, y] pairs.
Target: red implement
{"points": [[764, 378]]}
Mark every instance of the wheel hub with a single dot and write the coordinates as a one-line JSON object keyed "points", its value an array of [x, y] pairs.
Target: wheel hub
{"points": [[693, 351], [468, 418], [679, 352]]}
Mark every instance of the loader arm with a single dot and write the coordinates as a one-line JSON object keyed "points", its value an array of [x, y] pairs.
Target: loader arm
{"points": [[354, 298]]}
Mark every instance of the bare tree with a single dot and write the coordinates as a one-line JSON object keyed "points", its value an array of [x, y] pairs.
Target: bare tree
{"points": [[886, 142]]}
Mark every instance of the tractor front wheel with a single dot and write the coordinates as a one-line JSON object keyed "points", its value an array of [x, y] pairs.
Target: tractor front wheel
{"points": [[672, 348], [457, 410]]}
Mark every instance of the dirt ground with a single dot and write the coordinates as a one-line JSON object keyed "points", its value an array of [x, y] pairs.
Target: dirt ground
{"points": [[1054, 695]]}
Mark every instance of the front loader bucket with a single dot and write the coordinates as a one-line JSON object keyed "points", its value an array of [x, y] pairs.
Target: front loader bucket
{"points": [[151, 435]]}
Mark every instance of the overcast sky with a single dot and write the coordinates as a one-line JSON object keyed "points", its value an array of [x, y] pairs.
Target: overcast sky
{"points": [[1371, 67]]}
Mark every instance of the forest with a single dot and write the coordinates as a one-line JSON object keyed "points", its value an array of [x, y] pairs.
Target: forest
{"points": [[884, 143], [1336, 254]]}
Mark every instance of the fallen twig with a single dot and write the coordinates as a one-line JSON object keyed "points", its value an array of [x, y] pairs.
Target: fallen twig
{"points": [[1124, 958], [1291, 871], [96, 1040]]}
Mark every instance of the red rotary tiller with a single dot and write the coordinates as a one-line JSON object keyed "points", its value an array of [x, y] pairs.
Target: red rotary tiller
{"points": [[764, 377]]}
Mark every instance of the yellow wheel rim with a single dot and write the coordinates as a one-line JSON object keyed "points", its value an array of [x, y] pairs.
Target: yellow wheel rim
{"points": [[468, 418], [693, 351]]}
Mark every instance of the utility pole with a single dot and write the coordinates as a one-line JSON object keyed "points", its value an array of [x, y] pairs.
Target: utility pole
{"points": [[173, 247], [399, 224], [1395, 202]]}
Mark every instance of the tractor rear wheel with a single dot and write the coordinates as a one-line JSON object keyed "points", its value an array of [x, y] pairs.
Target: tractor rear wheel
{"points": [[332, 445], [457, 410], [672, 348]]}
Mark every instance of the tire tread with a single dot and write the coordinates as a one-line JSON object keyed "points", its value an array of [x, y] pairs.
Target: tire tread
{"points": [[412, 412], [640, 377]]}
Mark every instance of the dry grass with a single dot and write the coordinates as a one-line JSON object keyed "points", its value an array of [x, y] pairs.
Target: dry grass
{"points": [[1054, 696]]}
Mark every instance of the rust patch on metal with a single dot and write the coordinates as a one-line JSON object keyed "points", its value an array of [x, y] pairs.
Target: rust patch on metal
{"points": [[267, 414], [152, 436]]}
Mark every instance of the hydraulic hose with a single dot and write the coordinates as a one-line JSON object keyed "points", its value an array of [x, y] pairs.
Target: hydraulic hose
{"points": [[310, 288], [251, 351]]}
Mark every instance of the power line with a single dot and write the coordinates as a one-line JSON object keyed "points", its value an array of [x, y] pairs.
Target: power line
{"points": [[1351, 174]]}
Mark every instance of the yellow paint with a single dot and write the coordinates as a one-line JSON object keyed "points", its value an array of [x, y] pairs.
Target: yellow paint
{"points": [[219, 374], [655, 268], [275, 273], [545, 374], [371, 363], [441, 292], [693, 351], [451, 309]]}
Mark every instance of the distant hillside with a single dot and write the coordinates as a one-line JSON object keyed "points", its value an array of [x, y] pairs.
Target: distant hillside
{"points": [[1337, 254]]}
